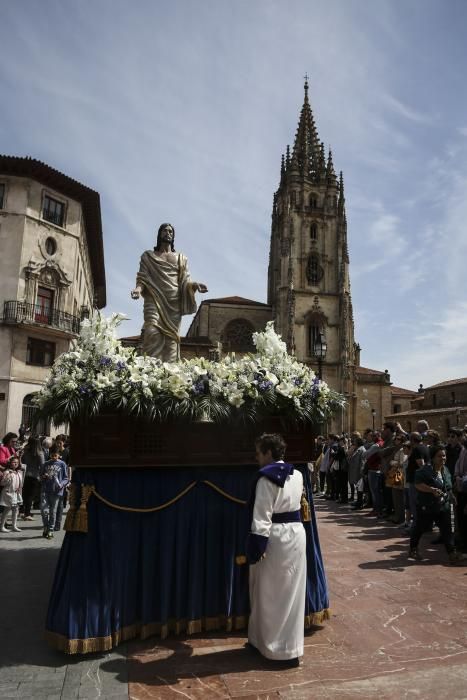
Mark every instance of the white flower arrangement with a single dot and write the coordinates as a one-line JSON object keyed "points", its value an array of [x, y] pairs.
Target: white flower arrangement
{"points": [[99, 373]]}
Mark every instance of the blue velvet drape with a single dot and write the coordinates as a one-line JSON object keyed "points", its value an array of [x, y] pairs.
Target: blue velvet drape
{"points": [[135, 574]]}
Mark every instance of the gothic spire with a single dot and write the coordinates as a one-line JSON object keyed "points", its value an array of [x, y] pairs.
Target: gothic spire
{"points": [[307, 148], [330, 172], [341, 204]]}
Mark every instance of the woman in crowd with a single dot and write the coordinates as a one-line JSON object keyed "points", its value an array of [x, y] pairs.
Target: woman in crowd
{"points": [[342, 473], [33, 459], [356, 458], [395, 480], [7, 449], [406, 448], [47, 443], [434, 496]]}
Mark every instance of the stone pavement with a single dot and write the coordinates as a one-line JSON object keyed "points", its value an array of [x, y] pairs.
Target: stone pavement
{"points": [[28, 667], [398, 631]]}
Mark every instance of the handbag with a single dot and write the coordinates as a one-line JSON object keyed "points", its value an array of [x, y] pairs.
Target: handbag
{"points": [[395, 477]]}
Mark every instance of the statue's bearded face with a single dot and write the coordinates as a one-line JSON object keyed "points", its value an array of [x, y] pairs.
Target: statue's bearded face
{"points": [[167, 234]]}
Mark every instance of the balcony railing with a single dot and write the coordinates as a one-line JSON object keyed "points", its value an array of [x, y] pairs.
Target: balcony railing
{"points": [[20, 312]]}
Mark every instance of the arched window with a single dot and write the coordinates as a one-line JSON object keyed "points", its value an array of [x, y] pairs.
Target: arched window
{"points": [[29, 410], [314, 271], [314, 232], [313, 201], [237, 336], [293, 198]]}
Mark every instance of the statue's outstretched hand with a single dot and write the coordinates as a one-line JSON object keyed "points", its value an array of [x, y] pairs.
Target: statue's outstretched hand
{"points": [[199, 287]]}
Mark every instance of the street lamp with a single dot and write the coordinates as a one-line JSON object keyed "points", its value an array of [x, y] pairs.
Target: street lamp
{"points": [[373, 414], [320, 349]]}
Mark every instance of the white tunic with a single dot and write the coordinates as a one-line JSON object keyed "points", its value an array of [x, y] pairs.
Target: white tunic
{"points": [[278, 582]]}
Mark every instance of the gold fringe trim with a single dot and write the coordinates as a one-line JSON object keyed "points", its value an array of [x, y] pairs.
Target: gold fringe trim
{"points": [[317, 618], [95, 644], [224, 493], [207, 624], [144, 510]]}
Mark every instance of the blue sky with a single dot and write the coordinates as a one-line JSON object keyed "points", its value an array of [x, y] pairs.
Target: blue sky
{"points": [[179, 111]]}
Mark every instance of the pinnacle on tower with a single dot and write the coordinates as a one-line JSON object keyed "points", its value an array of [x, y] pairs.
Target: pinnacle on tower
{"points": [[306, 152], [330, 172], [322, 161]]}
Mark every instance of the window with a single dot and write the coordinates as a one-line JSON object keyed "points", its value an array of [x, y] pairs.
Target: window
{"points": [[51, 246], [40, 352], [294, 198], [313, 201], [44, 305], [434, 400], [313, 336], [396, 408], [238, 335], [2, 195], [28, 414], [314, 271], [53, 211], [313, 232], [453, 397]]}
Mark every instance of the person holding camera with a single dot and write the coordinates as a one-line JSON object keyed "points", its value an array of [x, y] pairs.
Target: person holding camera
{"points": [[434, 496]]}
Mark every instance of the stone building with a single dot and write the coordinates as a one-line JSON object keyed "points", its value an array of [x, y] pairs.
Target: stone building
{"points": [[442, 405], [51, 275], [309, 294]]}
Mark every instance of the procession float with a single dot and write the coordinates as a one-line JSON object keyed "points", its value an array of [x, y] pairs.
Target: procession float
{"points": [[163, 461]]}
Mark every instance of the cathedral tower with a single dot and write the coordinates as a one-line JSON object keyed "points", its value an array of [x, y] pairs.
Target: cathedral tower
{"points": [[308, 277]]}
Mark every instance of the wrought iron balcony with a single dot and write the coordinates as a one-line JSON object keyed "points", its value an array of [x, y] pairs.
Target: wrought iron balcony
{"points": [[20, 312]]}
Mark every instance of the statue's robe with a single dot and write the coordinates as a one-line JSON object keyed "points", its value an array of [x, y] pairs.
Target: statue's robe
{"points": [[168, 295]]}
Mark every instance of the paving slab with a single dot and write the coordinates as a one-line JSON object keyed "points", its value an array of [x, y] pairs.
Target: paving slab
{"points": [[27, 567], [397, 631]]}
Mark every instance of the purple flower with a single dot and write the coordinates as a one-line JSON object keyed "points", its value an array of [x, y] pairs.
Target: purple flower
{"points": [[200, 387], [265, 385], [105, 361], [121, 366]]}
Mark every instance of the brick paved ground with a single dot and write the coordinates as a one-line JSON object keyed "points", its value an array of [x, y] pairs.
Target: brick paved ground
{"points": [[398, 631]]}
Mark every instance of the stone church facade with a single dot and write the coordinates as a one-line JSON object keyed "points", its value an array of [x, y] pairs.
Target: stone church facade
{"points": [[309, 295]]}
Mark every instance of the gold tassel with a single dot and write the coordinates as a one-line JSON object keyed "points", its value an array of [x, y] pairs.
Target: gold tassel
{"points": [[69, 525], [81, 519], [240, 559], [305, 509]]}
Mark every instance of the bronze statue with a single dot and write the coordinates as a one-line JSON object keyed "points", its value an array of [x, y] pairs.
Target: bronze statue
{"points": [[168, 292]]}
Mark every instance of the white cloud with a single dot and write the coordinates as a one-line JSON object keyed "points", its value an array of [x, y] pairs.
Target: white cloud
{"points": [[406, 111]]}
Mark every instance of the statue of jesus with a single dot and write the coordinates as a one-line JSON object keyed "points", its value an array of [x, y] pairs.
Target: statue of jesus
{"points": [[168, 292]]}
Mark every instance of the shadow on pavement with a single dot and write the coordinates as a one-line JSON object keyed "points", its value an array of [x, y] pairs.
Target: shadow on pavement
{"points": [[174, 660]]}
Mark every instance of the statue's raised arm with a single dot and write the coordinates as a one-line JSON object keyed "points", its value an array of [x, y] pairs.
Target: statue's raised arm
{"points": [[164, 282]]}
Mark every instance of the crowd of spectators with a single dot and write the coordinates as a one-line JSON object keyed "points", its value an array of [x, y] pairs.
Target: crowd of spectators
{"points": [[34, 475], [412, 480]]}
